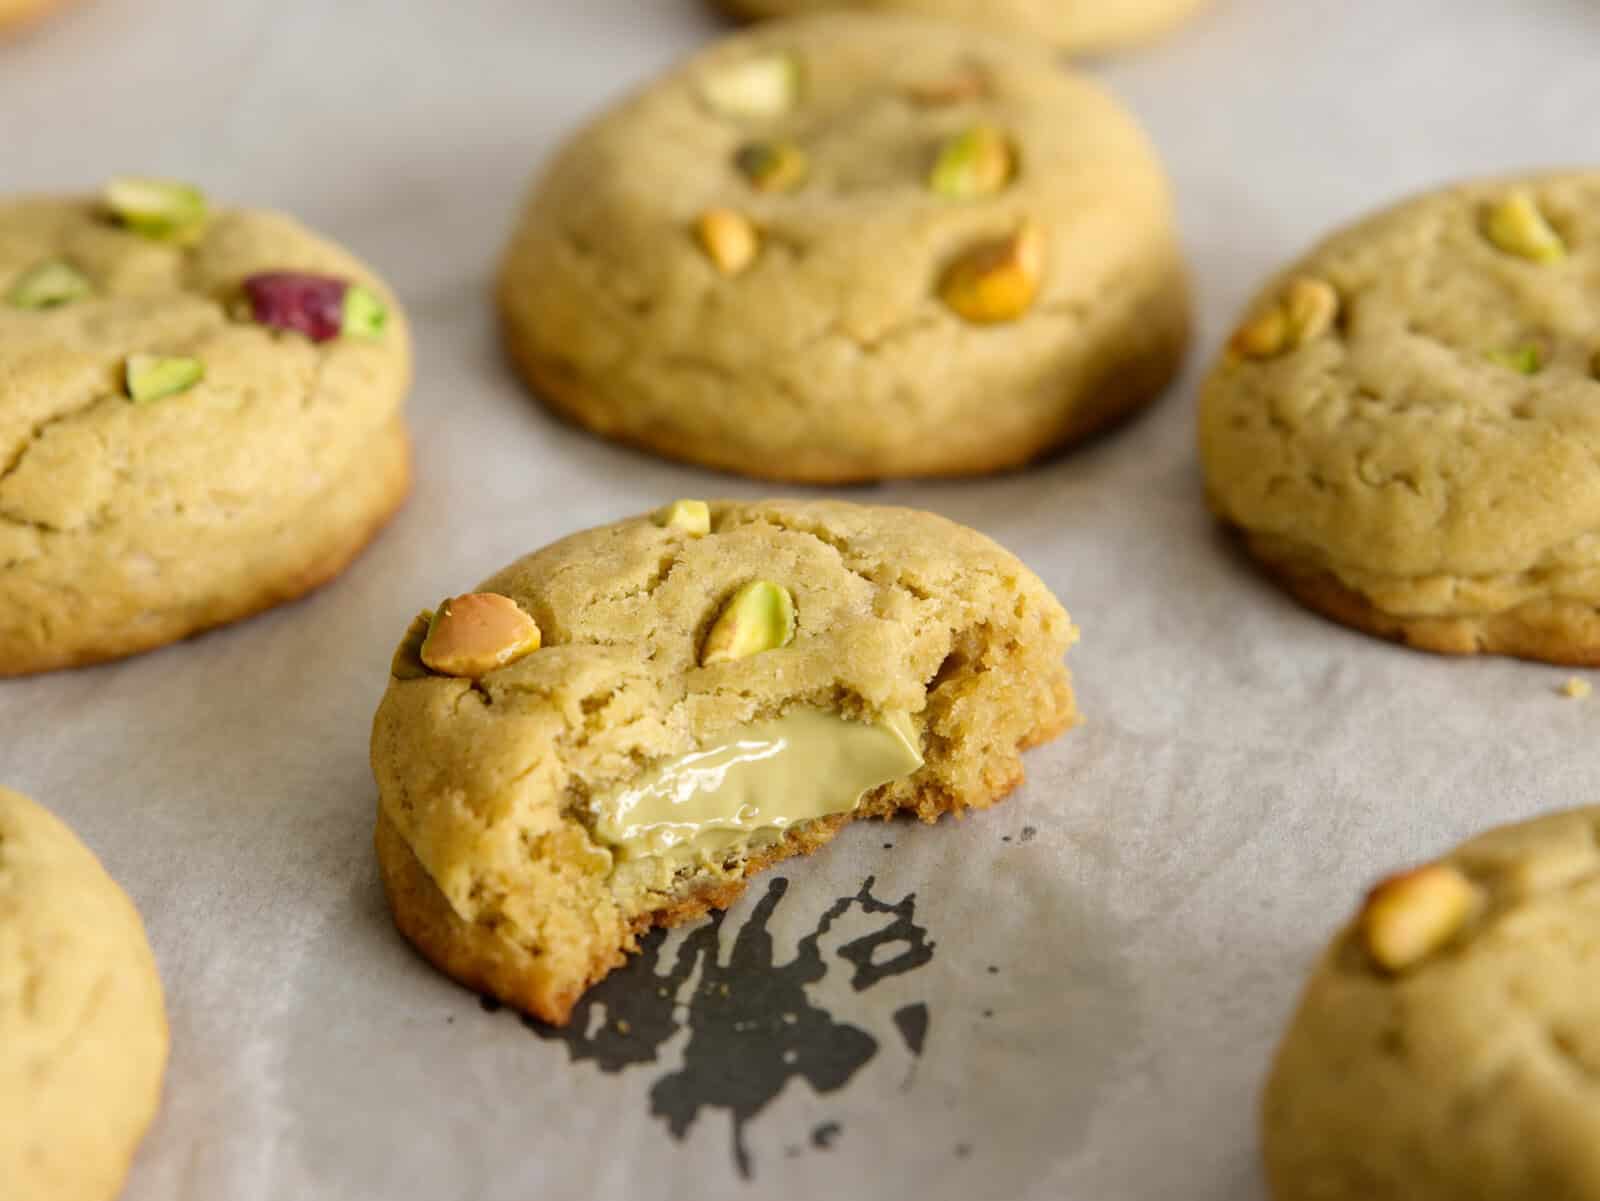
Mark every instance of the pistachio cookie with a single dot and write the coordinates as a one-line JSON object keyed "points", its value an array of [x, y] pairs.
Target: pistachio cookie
{"points": [[616, 731], [200, 417], [1448, 1044], [1405, 428], [851, 247], [1081, 26], [83, 1032]]}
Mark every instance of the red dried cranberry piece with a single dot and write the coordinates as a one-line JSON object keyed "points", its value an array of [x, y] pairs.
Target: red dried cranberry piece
{"points": [[297, 300]]}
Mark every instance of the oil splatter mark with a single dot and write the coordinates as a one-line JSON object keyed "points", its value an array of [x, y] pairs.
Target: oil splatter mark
{"points": [[912, 1022], [752, 1025], [1029, 833], [963, 1150], [823, 1136]]}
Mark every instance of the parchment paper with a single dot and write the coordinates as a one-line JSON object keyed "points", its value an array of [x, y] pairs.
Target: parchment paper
{"points": [[1074, 995]]}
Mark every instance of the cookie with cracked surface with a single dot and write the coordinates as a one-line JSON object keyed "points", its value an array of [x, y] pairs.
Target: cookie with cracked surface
{"points": [[778, 668], [851, 247], [1080, 26], [83, 1031], [1404, 428], [1447, 1045], [200, 417]]}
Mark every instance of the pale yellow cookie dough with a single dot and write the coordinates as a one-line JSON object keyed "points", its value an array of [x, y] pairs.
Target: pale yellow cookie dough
{"points": [[83, 1032], [499, 858], [1406, 427], [1081, 26], [779, 294], [127, 525], [1468, 1073]]}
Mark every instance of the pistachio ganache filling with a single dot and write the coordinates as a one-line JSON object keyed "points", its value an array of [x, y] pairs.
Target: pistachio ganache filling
{"points": [[753, 783]]}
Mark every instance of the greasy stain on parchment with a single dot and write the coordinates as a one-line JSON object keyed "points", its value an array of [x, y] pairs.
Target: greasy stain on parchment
{"points": [[752, 1026]]}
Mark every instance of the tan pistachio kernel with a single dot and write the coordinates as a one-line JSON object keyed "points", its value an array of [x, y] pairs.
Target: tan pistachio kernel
{"points": [[772, 166], [1516, 226], [691, 516], [1303, 312], [1527, 359], [758, 617], [978, 161], [1410, 916], [997, 281], [728, 238], [472, 635], [753, 89], [966, 83]]}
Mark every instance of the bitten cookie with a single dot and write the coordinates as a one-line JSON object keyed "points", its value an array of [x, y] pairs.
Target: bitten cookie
{"points": [[616, 731], [83, 1033], [1081, 26], [1448, 1045], [1405, 428], [851, 247], [200, 417]]}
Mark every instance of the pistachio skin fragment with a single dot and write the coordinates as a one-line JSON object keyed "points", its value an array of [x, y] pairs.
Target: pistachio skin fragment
{"points": [[965, 84]]}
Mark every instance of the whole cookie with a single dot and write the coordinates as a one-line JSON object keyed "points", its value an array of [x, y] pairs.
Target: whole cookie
{"points": [[850, 247], [83, 1033], [1448, 1044], [200, 417], [1082, 26], [614, 732], [1405, 428]]}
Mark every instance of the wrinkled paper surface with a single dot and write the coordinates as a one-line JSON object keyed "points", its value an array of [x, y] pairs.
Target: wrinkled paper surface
{"points": [[1073, 995]]}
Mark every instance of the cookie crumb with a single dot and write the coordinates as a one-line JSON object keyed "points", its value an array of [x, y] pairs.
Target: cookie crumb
{"points": [[1576, 688]]}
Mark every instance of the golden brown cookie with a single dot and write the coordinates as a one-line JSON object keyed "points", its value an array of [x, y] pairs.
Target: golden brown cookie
{"points": [[1404, 427], [1448, 1044], [851, 247], [83, 1031], [200, 417], [616, 731]]}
